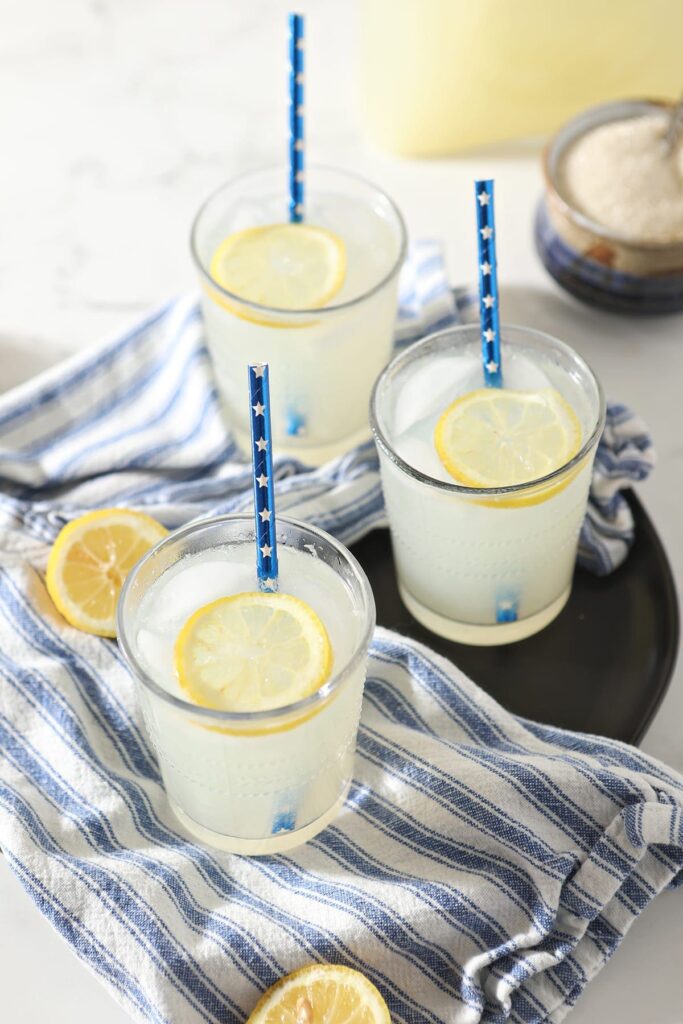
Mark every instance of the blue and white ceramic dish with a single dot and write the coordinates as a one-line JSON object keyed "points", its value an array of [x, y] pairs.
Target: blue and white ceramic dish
{"points": [[592, 262]]}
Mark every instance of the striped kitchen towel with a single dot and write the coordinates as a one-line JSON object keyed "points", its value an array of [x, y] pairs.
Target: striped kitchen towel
{"points": [[482, 869]]}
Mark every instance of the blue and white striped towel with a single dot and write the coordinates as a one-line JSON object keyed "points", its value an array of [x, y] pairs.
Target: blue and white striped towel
{"points": [[483, 868]]}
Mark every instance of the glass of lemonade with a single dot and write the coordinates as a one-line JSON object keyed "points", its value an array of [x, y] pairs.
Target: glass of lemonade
{"points": [[259, 777], [486, 488], [316, 301]]}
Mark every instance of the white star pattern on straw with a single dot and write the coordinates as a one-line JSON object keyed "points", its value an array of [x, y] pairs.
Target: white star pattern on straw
{"points": [[259, 409], [299, 145], [489, 301], [299, 44], [269, 584], [259, 370], [262, 480], [491, 367], [489, 334], [506, 606], [299, 208], [265, 515], [300, 110], [266, 550], [487, 233], [261, 444], [300, 78], [486, 268], [299, 175], [483, 198]]}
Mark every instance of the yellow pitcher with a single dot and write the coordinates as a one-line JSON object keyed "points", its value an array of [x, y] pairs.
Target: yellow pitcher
{"points": [[440, 76]]}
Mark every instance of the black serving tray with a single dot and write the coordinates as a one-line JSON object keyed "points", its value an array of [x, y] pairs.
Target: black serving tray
{"points": [[603, 666]]}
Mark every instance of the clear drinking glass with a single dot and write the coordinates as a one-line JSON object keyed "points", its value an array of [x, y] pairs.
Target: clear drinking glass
{"points": [[264, 781], [481, 566], [323, 362]]}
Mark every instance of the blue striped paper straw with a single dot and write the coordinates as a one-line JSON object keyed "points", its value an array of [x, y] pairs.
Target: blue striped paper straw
{"points": [[296, 117], [262, 465], [488, 284]]}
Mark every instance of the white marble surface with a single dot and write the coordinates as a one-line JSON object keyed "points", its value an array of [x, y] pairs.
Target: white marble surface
{"points": [[117, 117]]}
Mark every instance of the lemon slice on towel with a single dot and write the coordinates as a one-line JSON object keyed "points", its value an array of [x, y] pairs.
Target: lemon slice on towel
{"points": [[89, 561]]}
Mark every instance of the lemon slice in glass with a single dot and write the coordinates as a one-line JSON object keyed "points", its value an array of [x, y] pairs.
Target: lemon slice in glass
{"points": [[282, 266], [252, 652], [495, 437], [322, 994], [89, 561]]}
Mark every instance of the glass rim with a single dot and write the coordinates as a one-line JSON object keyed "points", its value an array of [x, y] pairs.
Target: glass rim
{"points": [[568, 134], [242, 718], [316, 311], [409, 354]]}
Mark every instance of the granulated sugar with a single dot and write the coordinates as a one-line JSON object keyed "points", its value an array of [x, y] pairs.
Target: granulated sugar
{"points": [[620, 176]]}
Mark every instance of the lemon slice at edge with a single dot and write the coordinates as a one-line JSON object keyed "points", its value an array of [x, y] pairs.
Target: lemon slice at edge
{"points": [[322, 992]]}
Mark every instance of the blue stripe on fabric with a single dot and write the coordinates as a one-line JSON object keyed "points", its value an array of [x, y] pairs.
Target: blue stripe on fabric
{"points": [[493, 868], [611, 753], [461, 801], [197, 356], [71, 927], [469, 993], [607, 856], [396, 823], [535, 784], [395, 706], [380, 920], [154, 454], [145, 927], [135, 923], [163, 491], [128, 392], [602, 782], [84, 372], [488, 872], [106, 709], [57, 714], [438, 685], [582, 828], [447, 902]]}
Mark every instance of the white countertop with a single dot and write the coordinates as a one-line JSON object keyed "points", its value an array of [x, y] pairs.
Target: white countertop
{"points": [[117, 118]]}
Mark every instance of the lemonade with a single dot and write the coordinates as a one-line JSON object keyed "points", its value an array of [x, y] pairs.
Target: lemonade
{"points": [[316, 301], [255, 733], [486, 489]]}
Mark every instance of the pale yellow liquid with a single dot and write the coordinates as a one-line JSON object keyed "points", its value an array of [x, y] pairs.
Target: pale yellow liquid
{"points": [[444, 75]]}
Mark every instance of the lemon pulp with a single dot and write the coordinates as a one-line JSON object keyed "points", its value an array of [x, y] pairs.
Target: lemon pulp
{"points": [[252, 652]]}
